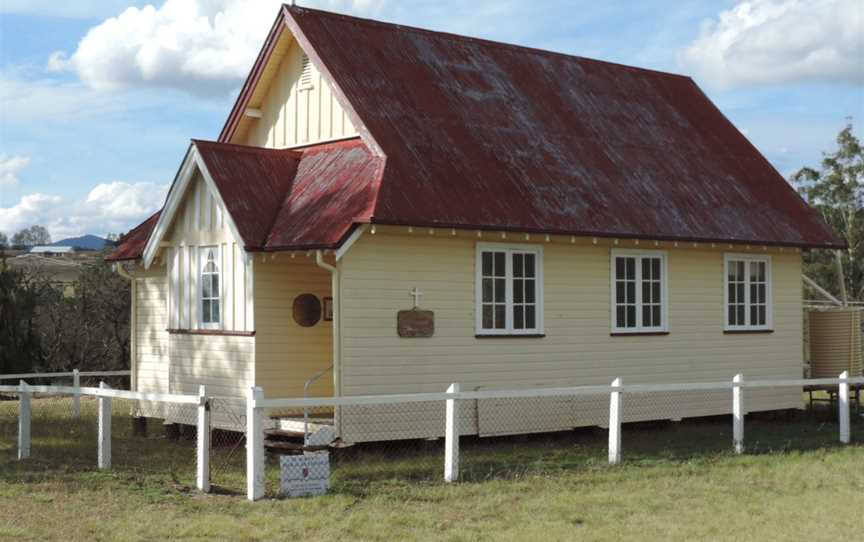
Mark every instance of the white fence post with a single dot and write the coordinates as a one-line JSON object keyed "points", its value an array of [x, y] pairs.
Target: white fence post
{"points": [[203, 477], [76, 397], [843, 405], [738, 413], [104, 455], [254, 445], [615, 423], [23, 421], [451, 437]]}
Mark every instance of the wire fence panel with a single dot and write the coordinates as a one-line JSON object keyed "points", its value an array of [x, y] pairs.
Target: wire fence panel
{"points": [[228, 445], [161, 448], [372, 446], [516, 437]]}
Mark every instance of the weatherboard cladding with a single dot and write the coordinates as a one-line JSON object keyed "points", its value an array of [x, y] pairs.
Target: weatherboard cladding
{"points": [[477, 134]]}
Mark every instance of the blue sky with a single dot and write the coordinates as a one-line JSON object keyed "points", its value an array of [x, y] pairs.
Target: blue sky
{"points": [[98, 99]]}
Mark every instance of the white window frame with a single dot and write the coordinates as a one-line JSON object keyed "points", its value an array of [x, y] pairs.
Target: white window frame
{"points": [[509, 249], [664, 291], [202, 262], [769, 297]]}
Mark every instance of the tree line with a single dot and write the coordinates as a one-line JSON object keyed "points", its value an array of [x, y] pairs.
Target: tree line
{"points": [[836, 190], [28, 237], [46, 328]]}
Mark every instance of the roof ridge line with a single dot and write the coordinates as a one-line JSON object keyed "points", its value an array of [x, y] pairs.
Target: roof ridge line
{"points": [[484, 41]]}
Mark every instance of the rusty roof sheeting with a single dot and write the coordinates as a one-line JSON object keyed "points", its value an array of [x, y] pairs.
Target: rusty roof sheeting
{"points": [[131, 246], [252, 183], [481, 134], [283, 199]]}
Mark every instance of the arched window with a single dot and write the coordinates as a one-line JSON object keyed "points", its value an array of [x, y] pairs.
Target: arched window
{"points": [[210, 292]]}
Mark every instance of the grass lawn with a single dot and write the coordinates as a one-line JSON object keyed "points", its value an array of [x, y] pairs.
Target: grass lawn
{"points": [[679, 481]]}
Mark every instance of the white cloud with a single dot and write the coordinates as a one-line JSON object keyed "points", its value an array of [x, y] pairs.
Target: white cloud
{"points": [[773, 41], [109, 208], [201, 46], [9, 168], [26, 101]]}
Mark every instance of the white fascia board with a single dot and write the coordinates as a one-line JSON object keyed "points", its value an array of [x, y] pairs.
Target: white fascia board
{"points": [[353, 238], [175, 196]]}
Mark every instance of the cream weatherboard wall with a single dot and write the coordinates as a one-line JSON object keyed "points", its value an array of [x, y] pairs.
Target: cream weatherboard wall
{"points": [[298, 108], [288, 354], [150, 336], [224, 363], [379, 271]]}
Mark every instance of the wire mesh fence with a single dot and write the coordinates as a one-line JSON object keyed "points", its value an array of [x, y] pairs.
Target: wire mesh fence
{"points": [[228, 445], [162, 446], [356, 449]]}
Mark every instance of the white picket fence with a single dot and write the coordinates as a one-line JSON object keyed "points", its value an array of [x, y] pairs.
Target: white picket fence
{"points": [[257, 403], [104, 395]]}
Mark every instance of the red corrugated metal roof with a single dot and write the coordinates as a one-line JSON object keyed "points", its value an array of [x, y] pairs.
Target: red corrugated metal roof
{"points": [[486, 135], [284, 199], [252, 182], [131, 246], [306, 198], [478, 134]]}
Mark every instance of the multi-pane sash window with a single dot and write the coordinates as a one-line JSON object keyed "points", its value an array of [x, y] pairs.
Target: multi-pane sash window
{"points": [[509, 289], [638, 291], [210, 293], [747, 292]]}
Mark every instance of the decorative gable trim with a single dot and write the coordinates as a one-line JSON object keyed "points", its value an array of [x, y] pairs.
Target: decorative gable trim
{"points": [[191, 162]]}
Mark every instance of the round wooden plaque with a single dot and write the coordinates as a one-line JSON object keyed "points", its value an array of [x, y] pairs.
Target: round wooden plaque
{"points": [[307, 310]]}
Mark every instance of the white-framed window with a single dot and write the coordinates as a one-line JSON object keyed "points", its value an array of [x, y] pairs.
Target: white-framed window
{"points": [[747, 292], [509, 289], [639, 291], [210, 306]]}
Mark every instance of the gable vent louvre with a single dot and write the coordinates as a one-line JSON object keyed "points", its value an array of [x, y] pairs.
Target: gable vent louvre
{"points": [[305, 72]]}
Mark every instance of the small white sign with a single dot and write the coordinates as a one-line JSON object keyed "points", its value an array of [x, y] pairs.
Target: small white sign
{"points": [[305, 475]]}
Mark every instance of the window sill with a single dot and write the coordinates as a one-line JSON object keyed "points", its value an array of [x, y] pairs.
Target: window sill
{"points": [[746, 331], [510, 336], [217, 332], [637, 333]]}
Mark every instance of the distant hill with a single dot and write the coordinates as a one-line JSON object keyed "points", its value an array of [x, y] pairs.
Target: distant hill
{"points": [[90, 242]]}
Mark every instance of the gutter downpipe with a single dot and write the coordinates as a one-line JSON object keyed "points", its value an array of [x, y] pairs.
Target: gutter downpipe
{"points": [[337, 332], [133, 344]]}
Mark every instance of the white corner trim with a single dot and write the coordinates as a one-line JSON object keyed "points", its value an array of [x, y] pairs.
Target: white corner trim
{"points": [[353, 238]]}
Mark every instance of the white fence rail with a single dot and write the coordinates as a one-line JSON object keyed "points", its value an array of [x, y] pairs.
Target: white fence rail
{"points": [[257, 403], [23, 376], [104, 395]]}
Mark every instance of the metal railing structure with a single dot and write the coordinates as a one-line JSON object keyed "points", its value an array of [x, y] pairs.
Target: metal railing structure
{"points": [[306, 386]]}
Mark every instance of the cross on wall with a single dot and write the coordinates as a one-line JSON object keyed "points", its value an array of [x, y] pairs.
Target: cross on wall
{"points": [[416, 294]]}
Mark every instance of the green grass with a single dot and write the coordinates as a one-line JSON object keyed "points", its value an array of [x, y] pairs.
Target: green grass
{"points": [[678, 482]]}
